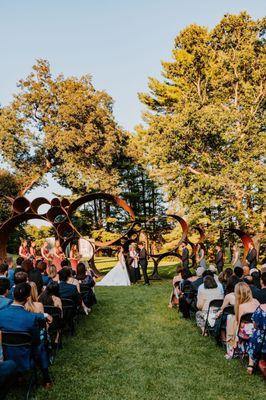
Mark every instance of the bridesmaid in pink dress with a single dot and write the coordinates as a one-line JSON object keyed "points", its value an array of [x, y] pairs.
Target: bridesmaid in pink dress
{"points": [[59, 255], [23, 250], [45, 253], [74, 256], [33, 252]]}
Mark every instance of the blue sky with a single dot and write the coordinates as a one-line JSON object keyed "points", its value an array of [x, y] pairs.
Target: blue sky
{"points": [[120, 43]]}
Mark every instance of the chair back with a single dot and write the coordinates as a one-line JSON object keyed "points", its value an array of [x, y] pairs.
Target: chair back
{"points": [[17, 346], [246, 318], [69, 314], [229, 310], [16, 339], [216, 303], [84, 288]]}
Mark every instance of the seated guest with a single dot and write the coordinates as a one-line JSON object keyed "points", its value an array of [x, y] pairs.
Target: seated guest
{"points": [[52, 273], [209, 272], [66, 263], [67, 290], [257, 341], [89, 297], [11, 271], [224, 276], [259, 294], [256, 275], [238, 271], [42, 267], [72, 280], [33, 305], [19, 262], [4, 288], [229, 300], [199, 280], [8, 371], [83, 276], [209, 292], [244, 304], [249, 279], [16, 319], [174, 298], [262, 295], [246, 270], [3, 270], [50, 296], [34, 274], [19, 277]]}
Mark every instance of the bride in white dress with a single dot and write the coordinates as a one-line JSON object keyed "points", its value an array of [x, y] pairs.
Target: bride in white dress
{"points": [[118, 276]]}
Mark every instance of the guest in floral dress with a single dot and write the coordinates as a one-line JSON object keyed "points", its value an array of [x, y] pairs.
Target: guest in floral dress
{"points": [[257, 342]]}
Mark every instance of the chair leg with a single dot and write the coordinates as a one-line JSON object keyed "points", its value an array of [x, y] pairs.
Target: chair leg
{"points": [[32, 383]]}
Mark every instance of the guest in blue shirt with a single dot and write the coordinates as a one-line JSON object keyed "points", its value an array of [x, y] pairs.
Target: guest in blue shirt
{"points": [[16, 319], [4, 288]]}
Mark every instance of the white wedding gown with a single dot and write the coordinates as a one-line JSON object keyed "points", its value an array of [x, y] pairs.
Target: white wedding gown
{"points": [[118, 276]]}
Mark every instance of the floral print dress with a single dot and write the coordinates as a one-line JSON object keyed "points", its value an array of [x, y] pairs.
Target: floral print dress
{"points": [[257, 342]]}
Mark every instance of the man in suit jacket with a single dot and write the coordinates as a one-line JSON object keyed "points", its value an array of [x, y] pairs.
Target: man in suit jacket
{"points": [[219, 258], [4, 288], [16, 319], [185, 255], [67, 290], [252, 256], [143, 262]]}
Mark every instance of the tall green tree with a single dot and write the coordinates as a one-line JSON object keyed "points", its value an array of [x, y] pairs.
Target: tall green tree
{"points": [[63, 126], [203, 134]]}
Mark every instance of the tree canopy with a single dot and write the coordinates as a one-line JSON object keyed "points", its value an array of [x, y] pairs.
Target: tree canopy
{"points": [[64, 126], [203, 134]]}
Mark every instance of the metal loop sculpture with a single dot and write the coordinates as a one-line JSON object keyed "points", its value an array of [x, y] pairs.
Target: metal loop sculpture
{"points": [[60, 214]]}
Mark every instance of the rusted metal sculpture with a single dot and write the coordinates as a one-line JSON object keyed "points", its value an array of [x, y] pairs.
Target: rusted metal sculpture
{"points": [[174, 252], [59, 216], [246, 240]]}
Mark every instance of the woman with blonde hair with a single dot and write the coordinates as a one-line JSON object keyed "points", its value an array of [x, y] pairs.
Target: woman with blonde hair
{"points": [[33, 305], [52, 273], [244, 304]]}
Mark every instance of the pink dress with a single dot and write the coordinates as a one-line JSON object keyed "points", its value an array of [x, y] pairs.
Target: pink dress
{"points": [[57, 258], [46, 255], [73, 261], [24, 252]]}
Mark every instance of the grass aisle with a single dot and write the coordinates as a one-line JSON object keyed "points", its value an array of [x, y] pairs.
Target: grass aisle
{"points": [[133, 347]]}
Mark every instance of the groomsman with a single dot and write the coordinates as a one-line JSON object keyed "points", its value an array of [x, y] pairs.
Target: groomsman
{"points": [[143, 262], [185, 255], [219, 258], [252, 256]]}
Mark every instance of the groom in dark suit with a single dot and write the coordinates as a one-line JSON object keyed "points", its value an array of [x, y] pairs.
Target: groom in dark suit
{"points": [[143, 262]]}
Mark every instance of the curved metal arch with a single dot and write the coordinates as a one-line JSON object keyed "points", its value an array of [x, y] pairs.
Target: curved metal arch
{"points": [[113, 199], [246, 240]]}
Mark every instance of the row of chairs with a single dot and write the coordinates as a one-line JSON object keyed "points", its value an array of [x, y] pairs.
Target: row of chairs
{"points": [[64, 323]]}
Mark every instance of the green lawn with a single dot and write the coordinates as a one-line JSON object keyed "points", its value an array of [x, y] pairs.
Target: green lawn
{"points": [[133, 347]]}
